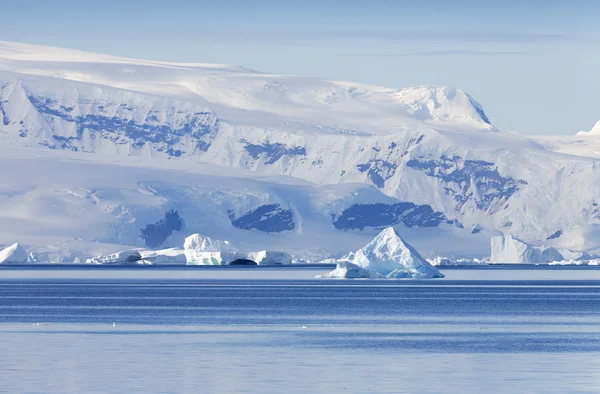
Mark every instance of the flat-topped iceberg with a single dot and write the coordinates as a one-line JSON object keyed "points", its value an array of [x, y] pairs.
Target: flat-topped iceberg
{"points": [[209, 258], [14, 254], [200, 250], [263, 257], [507, 249], [164, 256], [389, 256], [200, 243], [123, 257], [267, 257]]}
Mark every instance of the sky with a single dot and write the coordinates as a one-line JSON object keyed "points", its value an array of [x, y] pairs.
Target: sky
{"points": [[534, 68]]}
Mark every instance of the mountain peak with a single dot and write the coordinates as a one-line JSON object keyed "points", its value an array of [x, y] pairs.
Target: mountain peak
{"points": [[442, 103], [595, 131]]}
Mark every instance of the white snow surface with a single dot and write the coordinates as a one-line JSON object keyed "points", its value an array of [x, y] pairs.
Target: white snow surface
{"points": [[14, 254], [390, 256], [96, 148]]}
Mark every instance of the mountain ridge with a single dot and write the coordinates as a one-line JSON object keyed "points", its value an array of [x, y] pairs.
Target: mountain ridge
{"points": [[430, 160]]}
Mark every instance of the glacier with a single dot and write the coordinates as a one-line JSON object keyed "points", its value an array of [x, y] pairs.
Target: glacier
{"points": [[101, 154]]}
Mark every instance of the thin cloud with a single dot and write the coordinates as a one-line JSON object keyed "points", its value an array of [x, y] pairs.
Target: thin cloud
{"points": [[443, 35], [449, 53]]}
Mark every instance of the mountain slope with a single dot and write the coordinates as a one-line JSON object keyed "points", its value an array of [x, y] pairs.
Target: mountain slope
{"points": [[428, 157]]}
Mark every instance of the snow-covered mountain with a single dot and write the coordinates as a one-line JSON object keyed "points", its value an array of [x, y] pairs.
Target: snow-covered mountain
{"points": [[99, 151]]}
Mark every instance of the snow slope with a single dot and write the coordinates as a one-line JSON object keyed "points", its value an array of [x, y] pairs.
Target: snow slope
{"points": [[65, 206], [129, 152]]}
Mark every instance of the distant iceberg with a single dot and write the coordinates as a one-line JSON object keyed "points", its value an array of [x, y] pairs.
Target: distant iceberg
{"points": [[123, 257], [164, 256], [201, 250], [507, 249], [447, 261], [200, 243], [14, 254], [386, 256]]}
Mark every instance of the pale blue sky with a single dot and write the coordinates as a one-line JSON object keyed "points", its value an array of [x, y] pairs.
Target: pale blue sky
{"points": [[534, 68]]}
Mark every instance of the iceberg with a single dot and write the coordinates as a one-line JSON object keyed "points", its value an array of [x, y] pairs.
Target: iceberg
{"points": [[200, 250], [507, 249], [210, 258], [389, 256], [448, 261], [264, 257], [14, 254], [164, 256], [347, 270], [576, 262], [124, 257], [267, 257]]}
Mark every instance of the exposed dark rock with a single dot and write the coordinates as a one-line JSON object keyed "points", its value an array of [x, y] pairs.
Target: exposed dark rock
{"points": [[555, 235], [459, 176], [156, 234], [270, 153], [5, 119], [480, 112], [269, 218], [359, 216], [202, 126], [383, 167], [378, 171]]}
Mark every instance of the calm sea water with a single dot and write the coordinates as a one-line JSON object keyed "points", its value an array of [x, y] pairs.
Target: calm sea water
{"points": [[277, 330]]}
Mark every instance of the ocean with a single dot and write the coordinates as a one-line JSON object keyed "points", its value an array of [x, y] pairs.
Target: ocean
{"points": [[278, 330]]}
